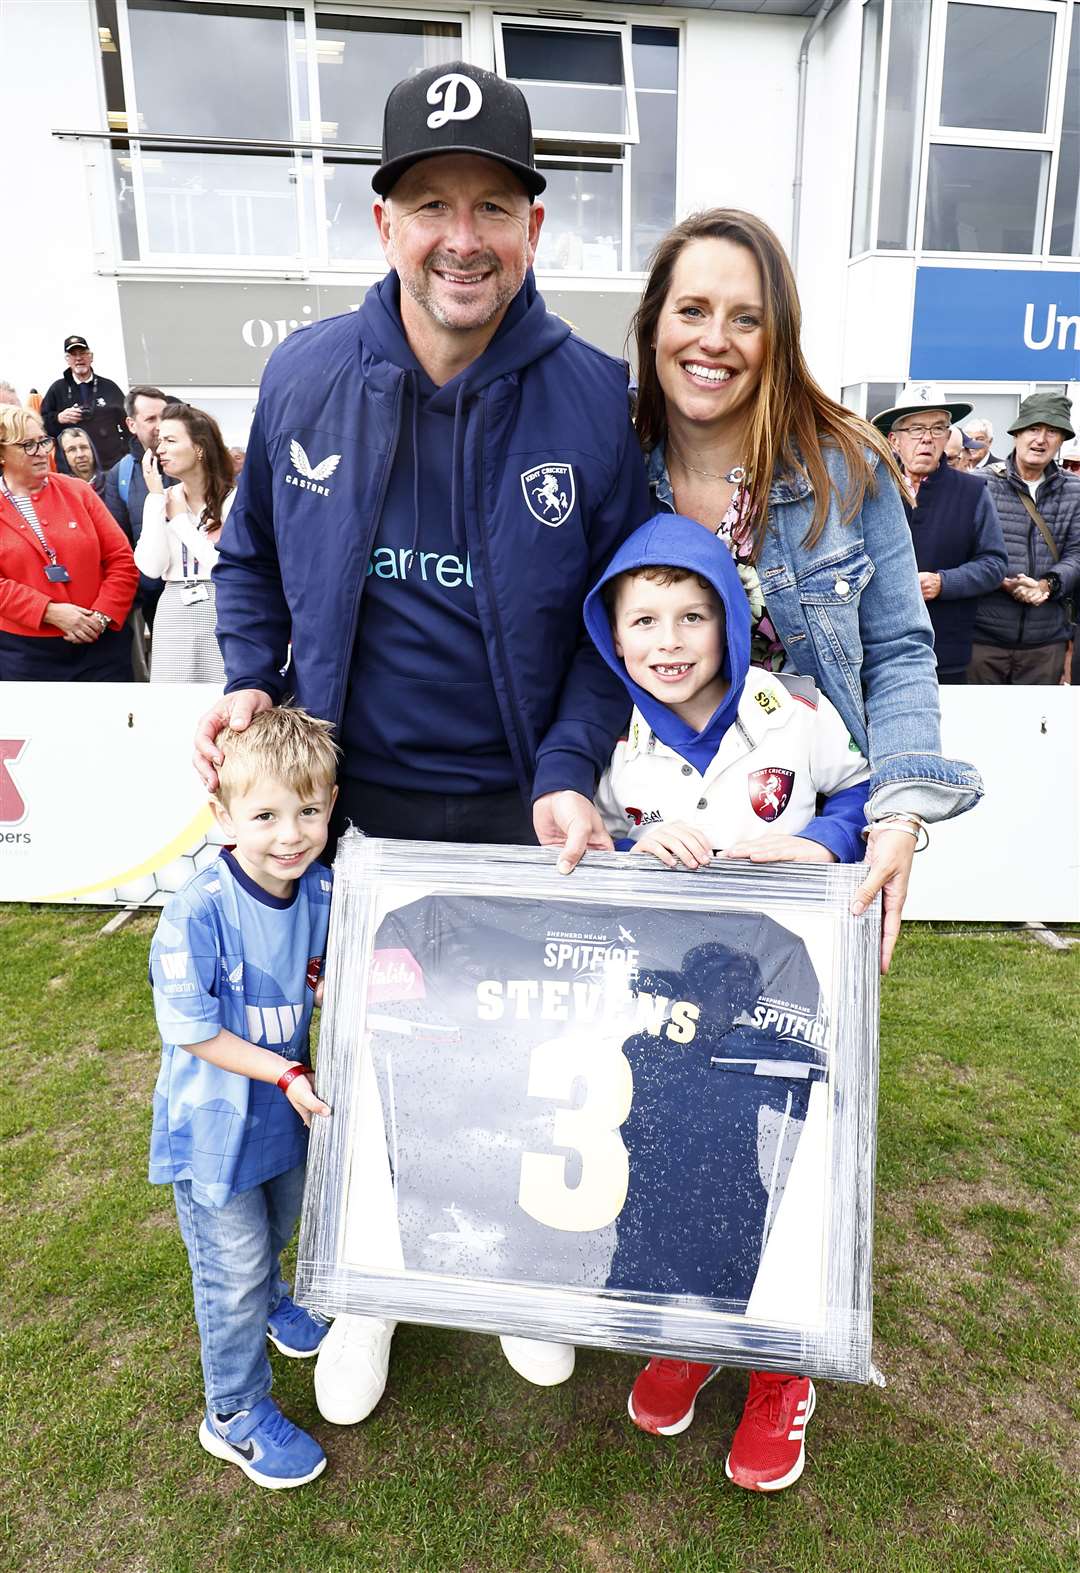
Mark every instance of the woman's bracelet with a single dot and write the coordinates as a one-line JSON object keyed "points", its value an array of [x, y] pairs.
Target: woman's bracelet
{"points": [[286, 1078], [910, 824]]}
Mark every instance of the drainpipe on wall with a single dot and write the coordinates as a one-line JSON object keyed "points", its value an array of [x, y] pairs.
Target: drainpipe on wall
{"points": [[817, 22]]}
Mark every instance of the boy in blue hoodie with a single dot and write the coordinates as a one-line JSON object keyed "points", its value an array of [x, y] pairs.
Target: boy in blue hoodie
{"points": [[718, 757]]}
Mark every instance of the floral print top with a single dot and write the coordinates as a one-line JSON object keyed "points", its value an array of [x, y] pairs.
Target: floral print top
{"points": [[766, 649]]}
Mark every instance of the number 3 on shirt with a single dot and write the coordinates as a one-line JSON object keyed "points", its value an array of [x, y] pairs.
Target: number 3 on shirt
{"points": [[591, 1129]]}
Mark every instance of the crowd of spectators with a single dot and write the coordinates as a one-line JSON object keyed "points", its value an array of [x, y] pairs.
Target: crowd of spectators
{"points": [[997, 539], [139, 551]]}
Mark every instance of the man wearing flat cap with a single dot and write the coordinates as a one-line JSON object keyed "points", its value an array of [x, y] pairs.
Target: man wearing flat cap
{"points": [[959, 549], [432, 485], [1023, 628], [83, 398]]}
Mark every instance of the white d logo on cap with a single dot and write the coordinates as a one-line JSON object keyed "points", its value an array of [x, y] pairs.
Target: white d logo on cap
{"points": [[446, 89]]}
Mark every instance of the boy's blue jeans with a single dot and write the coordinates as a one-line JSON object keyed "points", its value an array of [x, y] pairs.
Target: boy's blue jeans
{"points": [[235, 1253]]}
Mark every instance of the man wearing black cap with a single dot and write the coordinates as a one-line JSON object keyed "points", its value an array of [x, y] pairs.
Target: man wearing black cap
{"points": [[81, 398], [1022, 629], [432, 485]]}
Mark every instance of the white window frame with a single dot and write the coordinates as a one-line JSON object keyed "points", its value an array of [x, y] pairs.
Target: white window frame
{"points": [[563, 24], [1045, 142], [312, 236]]}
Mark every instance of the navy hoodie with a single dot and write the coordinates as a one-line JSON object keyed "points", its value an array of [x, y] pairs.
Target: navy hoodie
{"points": [[529, 477], [419, 628], [670, 540]]}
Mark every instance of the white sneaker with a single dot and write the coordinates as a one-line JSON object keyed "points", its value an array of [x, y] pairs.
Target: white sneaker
{"points": [[544, 1364], [350, 1373]]}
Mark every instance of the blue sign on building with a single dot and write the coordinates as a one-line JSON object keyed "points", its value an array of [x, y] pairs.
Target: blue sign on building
{"points": [[996, 325]]}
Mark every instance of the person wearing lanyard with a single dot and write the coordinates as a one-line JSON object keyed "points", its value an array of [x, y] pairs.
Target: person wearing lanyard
{"points": [[67, 575], [179, 530]]}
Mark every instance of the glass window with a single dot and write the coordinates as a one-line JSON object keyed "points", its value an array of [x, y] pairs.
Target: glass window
{"points": [[574, 80], [881, 396], [212, 70], [652, 160], [866, 133], [1065, 238], [220, 204], [360, 57], [905, 94], [996, 74], [582, 230], [985, 199], [350, 228]]}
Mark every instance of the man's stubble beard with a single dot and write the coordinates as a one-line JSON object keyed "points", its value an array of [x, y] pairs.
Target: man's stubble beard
{"points": [[425, 297]]}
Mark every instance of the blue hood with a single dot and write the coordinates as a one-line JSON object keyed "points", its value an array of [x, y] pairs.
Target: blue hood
{"points": [[669, 540]]}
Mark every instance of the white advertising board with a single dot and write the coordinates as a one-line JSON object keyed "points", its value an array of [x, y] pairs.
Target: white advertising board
{"points": [[99, 802]]}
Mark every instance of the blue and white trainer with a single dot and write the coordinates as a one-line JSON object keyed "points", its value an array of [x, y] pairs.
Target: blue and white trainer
{"points": [[294, 1331], [266, 1446]]}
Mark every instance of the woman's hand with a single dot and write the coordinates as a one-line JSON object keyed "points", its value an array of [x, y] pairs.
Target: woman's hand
{"points": [[76, 623], [151, 473], [676, 843], [775, 847], [889, 854]]}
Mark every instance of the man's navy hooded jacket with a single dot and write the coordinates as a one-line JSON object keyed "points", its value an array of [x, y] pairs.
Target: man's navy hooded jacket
{"points": [[543, 479]]}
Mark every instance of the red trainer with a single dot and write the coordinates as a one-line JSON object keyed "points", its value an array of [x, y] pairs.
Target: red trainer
{"points": [[662, 1399], [767, 1450]]}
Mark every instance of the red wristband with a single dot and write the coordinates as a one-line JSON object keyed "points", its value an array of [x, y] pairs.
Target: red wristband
{"points": [[287, 1077]]}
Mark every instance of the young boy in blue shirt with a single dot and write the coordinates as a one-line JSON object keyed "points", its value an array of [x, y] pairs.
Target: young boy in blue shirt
{"points": [[234, 965]]}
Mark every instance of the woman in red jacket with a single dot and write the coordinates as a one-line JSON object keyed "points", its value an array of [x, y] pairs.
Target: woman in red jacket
{"points": [[67, 575]]}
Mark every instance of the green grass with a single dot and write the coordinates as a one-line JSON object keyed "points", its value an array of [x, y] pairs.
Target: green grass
{"points": [[966, 1461]]}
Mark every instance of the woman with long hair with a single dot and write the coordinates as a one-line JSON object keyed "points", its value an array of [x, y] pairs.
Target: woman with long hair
{"points": [[180, 527], [739, 436]]}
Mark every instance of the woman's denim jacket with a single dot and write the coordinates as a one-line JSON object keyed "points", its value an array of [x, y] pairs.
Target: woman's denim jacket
{"points": [[851, 616]]}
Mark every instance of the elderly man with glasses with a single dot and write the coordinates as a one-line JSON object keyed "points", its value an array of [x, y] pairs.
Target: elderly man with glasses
{"points": [[83, 398], [959, 547]]}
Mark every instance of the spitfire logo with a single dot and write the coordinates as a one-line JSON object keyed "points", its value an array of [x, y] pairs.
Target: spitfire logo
{"points": [[549, 493], [446, 90], [311, 476], [12, 806], [770, 791]]}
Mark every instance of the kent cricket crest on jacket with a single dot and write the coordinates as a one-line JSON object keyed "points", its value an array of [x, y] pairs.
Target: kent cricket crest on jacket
{"points": [[772, 748]]}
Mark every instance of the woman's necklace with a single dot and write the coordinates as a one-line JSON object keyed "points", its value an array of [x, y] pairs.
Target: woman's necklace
{"points": [[734, 477]]}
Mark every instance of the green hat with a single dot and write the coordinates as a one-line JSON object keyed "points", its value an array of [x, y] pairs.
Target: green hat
{"points": [[1044, 409]]}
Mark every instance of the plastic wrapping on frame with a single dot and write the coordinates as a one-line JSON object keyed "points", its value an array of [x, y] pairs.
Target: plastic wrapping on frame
{"points": [[633, 1107]]}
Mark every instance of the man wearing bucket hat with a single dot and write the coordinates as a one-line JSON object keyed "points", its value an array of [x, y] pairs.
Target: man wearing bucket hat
{"points": [[959, 548], [432, 485], [1023, 628]]}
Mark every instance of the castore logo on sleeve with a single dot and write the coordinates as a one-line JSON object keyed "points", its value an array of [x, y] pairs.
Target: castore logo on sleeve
{"points": [[310, 476]]}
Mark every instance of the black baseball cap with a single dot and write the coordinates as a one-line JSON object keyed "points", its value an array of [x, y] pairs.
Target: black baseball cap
{"points": [[456, 108], [75, 341]]}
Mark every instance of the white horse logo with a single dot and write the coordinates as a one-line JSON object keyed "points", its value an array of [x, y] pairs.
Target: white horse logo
{"points": [[549, 493]]}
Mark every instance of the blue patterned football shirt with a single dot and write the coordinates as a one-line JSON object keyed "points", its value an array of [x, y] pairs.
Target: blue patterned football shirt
{"points": [[228, 954]]}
